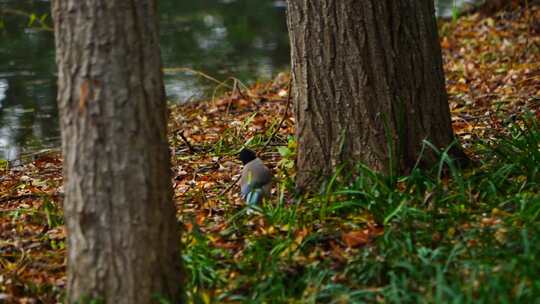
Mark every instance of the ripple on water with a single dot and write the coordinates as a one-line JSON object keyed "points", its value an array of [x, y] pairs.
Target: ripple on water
{"points": [[3, 88]]}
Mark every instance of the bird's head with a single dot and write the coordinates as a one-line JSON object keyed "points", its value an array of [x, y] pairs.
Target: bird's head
{"points": [[247, 155]]}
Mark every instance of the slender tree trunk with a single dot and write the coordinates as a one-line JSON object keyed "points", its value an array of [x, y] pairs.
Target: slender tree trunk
{"points": [[368, 84], [123, 239]]}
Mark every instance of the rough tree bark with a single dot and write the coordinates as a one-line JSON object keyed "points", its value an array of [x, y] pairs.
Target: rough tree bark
{"points": [[368, 84], [123, 238]]}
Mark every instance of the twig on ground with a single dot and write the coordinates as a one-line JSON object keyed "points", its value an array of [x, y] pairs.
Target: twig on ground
{"points": [[186, 141], [230, 186], [283, 118], [10, 198]]}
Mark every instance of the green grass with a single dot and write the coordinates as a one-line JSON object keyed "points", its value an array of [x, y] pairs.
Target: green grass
{"points": [[450, 236]]}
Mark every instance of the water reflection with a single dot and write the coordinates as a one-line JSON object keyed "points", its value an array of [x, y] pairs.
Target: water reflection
{"points": [[28, 113], [445, 8], [246, 39], [3, 89]]}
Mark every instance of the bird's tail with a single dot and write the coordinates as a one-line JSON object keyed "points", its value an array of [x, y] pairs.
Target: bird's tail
{"points": [[254, 196]]}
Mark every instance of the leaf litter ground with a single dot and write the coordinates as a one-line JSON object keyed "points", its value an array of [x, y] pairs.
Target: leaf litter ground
{"points": [[492, 67]]}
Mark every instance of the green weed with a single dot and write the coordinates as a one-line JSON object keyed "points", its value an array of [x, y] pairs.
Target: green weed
{"points": [[451, 235]]}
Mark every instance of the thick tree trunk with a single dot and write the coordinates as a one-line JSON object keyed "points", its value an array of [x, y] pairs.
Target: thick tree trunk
{"points": [[123, 239], [368, 84]]}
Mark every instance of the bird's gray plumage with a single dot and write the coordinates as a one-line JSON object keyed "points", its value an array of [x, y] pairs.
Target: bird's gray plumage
{"points": [[255, 181]]}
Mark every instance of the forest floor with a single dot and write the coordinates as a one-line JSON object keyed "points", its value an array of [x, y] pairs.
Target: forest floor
{"points": [[465, 236]]}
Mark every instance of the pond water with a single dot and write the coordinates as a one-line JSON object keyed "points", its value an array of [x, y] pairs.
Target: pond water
{"points": [[246, 39]]}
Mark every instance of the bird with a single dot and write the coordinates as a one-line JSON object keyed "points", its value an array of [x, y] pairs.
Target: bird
{"points": [[256, 178]]}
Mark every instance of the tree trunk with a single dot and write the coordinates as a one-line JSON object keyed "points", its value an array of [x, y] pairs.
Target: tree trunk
{"points": [[368, 84], [123, 238]]}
